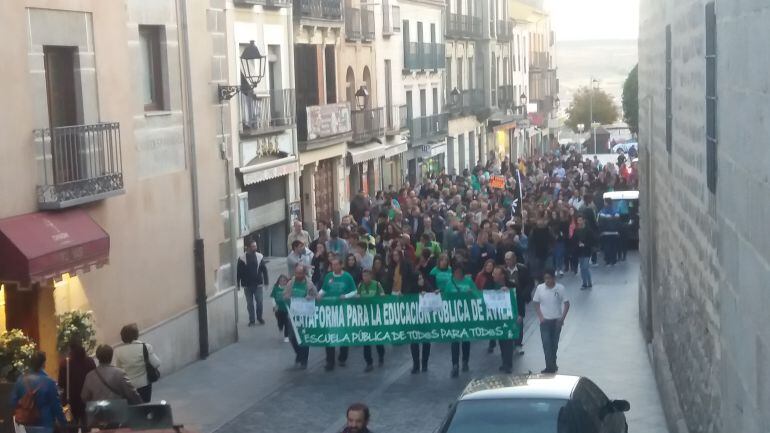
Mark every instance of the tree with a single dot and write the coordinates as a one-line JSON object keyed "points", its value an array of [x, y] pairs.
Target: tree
{"points": [[579, 111], [631, 100]]}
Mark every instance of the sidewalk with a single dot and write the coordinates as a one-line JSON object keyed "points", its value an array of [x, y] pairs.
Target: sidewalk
{"points": [[208, 393]]}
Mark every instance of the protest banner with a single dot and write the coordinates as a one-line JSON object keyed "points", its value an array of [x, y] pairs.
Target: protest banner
{"points": [[398, 320], [497, 181]]}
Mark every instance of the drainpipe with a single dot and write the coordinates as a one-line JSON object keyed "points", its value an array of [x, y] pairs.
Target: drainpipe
{"points": [[198, 252]]}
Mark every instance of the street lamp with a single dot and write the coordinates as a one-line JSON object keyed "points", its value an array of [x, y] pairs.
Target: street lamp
{"points": [[557, 103], [523, 101], [362, 96], [249, 77], [594, 86]]}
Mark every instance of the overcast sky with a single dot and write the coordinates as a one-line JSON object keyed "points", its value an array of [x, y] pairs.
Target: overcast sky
{"points": [[594, 19]]}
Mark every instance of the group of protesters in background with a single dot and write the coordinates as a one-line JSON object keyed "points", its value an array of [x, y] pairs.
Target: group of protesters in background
{"points": [[458, 233]]}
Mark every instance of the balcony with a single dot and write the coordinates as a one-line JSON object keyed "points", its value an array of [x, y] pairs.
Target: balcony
{"points": [[396, 119], [505, 96], [368, 124], [428, 128], [463, 26], [266, 3], [367, 25], [469, 101], [278, 4], [353, 24], [80, 164], [321, 125], [539, 60], [313, 10], [267, 113], [391, 18], [504, 30], [421, 56]]}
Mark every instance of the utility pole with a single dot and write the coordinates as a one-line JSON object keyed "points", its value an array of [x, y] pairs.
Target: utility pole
{"points": [[594, 81]]}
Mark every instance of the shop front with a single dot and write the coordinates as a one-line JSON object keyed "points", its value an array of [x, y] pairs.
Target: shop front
{"points": [[43, 254], [502, 141], [392, 169], [265, 194], [364, 164], [429, 160]]}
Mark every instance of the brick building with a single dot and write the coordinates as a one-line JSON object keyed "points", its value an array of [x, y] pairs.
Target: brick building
{"points": [[702, 119]]}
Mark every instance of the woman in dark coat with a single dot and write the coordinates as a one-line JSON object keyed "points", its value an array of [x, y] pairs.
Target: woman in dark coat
{"points": [[401, 276], [72, 374]]}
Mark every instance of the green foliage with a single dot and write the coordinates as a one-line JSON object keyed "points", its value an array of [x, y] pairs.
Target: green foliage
{"points": [[16, 349], [76, 326], [605, 111], [631, 100]]}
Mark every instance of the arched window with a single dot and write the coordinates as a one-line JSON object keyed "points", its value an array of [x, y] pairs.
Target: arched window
{"points": [[350, 87], [368, 84]]}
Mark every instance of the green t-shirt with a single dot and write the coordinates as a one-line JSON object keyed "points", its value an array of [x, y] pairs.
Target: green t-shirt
{"points": [[443, 278], [337, 285], [475, 183], [462, 286], [277, 295], [298, 290], [374, 288], [433, 246]]}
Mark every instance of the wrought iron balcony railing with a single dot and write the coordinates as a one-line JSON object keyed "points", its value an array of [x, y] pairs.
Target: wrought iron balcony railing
{"points": [[504, 30], [539, 60], [423, 56], [424, 129], [367, 25], [80, 164], [397, 118], [266, 113], [505, 96], [463, 26], [367, 124], [467, 102], [353, 24], [319, 9]]}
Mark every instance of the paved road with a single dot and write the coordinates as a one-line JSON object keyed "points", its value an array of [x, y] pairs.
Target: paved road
{"points": [[601, 339]]}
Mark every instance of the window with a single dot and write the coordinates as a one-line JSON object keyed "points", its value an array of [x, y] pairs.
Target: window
{"points": [[460, 74], [669, 92], [435, 101], [151, 63], [470, 73], [711, 98]]}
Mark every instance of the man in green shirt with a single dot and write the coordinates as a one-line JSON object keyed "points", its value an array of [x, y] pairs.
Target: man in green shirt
{"points": [[427, 243], [337, 284], [369, 288]]}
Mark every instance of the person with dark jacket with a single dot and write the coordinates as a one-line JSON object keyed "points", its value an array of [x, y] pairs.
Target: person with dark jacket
{"points": [[519, 276], [252, 276], [584, 241], [400, 277], [539, 247], [72, 373], [423, 285]]}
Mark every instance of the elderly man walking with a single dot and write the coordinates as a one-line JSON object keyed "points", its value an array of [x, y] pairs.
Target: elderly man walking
{"points": [[297, 234]]}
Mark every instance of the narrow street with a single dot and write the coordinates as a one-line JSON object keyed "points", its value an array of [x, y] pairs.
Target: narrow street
{"points": [[250, 386]]}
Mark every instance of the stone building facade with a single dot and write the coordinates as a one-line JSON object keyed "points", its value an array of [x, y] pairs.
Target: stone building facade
{"points": [[705, 248]]}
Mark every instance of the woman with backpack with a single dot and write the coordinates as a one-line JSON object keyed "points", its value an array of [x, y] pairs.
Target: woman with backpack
{"points": [[35, 399]]}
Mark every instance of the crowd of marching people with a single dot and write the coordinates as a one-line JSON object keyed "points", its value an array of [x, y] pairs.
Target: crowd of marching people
{"points": [[459, 233]]}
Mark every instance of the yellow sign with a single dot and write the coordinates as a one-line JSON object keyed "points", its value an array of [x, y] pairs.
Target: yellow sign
{"points": [[497, 181]]}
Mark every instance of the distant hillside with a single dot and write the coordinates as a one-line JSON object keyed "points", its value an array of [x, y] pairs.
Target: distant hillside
{"points": [[609, 61]]}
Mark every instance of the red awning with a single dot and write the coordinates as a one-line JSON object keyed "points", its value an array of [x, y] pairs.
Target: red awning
{"points": [[39, 246]]}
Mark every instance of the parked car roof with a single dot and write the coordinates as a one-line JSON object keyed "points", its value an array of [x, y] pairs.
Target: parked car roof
{"points": [[524, 386], [622, 195]]}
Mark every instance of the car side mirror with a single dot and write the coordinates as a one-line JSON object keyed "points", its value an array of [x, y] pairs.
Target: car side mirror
{"points": [[620, 405]]}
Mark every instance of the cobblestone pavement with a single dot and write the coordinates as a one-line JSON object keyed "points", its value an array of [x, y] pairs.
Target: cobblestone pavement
{"points": [[251, 387]]}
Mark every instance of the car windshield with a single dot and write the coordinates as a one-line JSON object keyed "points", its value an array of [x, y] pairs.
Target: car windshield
{"points": [[509, 416]]}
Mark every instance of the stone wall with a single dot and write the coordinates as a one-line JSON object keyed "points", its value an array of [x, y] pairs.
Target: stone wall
{"points": [[703, 254]]}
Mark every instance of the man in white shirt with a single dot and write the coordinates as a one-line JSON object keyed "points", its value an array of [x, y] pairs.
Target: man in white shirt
{"points": [[576, 201], [297, 235], [552, 306]]}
